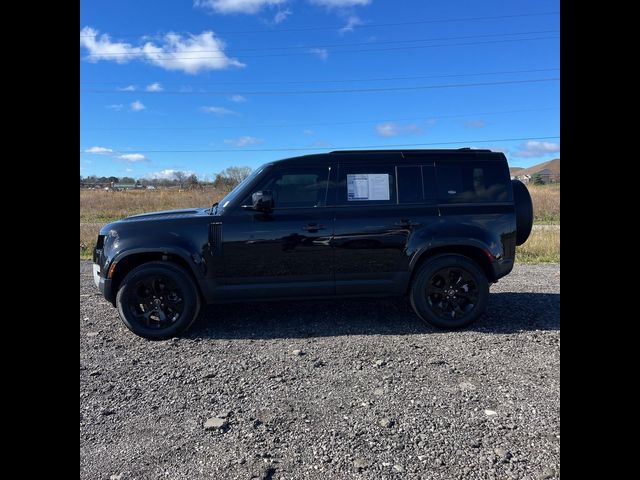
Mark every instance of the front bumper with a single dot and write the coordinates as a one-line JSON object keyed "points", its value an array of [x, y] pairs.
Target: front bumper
{"points": [[103, 284]]}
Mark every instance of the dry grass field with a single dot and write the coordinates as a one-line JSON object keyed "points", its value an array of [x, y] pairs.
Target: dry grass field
{"points": [[98, 207], [546, 203]]}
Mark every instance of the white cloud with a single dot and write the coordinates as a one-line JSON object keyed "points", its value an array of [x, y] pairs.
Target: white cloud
{"points": [[237, 98], [132, 157], [154, 87], [128, 88], [323, 53], [392, 129], [281, 16], [191, 54], [534, 148], [352, 21], [236, 6], [128, 169], [218, 110], [243, 141], [99, 151], [137, 106], [340, 3], [116, 106], [308, 131], [167, 174], [475, 124]]}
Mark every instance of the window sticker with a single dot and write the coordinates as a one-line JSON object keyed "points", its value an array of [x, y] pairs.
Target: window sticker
{"points": [[368, 186]]}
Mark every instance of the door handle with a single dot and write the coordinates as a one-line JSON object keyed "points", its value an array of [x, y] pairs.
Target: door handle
{"points": [[313, 227], [405, 222]]}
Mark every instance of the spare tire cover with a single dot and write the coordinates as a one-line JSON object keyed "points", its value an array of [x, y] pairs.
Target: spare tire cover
{"points": [[524, 211]]}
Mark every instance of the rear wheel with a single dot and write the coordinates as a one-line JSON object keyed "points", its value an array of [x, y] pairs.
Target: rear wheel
{"points": [[449, 291], [158, 300]]}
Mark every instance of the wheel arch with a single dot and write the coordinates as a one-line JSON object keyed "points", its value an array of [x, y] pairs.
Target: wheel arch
{"points": [[127, 261], [479, 255]]}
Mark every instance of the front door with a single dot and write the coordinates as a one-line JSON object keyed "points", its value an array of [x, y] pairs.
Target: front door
{"points": [[285, 253]]}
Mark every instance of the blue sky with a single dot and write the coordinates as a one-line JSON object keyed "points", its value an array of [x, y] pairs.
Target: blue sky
{"points": [[204, 85]]}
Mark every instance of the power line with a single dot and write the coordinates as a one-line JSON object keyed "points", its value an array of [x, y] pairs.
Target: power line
{"points": [[287, 149], [367, 25], [374, 79], [424, 117], [351, 90], [173, 56], [334, 45]]}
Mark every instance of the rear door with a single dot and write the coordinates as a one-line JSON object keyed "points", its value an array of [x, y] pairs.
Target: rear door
{"points": [[379, 206]]}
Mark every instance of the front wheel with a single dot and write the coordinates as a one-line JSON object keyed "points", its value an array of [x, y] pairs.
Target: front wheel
{"points": [[449, 291], [158, 300]]}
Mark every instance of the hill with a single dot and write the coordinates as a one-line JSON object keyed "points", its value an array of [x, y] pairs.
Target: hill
{"points": [[553, 165]]}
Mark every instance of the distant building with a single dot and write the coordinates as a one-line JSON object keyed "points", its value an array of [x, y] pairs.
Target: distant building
{"points": [[523, 178], [125, 186], [545, 175]]}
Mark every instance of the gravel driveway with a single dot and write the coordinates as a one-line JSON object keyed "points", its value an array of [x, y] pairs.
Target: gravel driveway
{"points": [[326, 390]]}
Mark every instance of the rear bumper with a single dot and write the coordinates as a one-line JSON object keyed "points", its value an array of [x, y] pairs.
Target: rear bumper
{"points": [[501, 267]]}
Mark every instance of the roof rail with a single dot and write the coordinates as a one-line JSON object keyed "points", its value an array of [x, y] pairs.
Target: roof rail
{"points": [[398, 150]]}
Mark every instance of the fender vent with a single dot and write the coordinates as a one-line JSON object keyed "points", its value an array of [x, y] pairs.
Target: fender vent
{"points": [[215, 239]]}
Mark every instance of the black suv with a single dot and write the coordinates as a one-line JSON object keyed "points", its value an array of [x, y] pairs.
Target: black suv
{"points": [[436, 225]]}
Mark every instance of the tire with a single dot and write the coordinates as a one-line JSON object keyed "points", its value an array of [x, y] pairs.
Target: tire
{"points": [[441, 274], [524, 211], [158, 300]]}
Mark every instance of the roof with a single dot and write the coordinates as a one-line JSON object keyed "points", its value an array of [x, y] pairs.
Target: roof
{"points": [[414, 150], [397, 155]]}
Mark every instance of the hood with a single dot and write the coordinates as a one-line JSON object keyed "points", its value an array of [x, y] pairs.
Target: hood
{"points": [[166, 214], [156, 216]]}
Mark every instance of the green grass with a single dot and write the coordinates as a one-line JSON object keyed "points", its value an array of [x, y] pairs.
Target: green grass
{"points": [[542, 246]]}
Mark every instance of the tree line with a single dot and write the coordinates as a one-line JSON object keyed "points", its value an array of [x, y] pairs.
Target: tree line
{"points": [[226, 180]]}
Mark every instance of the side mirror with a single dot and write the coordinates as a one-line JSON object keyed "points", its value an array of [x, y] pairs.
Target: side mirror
{"points": [[263, 201]]}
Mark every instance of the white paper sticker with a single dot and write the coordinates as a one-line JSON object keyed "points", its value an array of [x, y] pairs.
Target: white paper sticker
{"points": [[368, 186]]}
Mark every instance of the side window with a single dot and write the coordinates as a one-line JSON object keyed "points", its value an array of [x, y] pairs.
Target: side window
{"points": [[472, 182], [410, 188], [296, 187], [366, 184]]}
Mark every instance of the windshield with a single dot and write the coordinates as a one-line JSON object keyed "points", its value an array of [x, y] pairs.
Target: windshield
{"points": [[233, 194]]}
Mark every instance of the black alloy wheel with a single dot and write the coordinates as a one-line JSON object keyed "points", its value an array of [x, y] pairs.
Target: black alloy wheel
{"points": [[449, 291], [158, 300], [452, 293]]}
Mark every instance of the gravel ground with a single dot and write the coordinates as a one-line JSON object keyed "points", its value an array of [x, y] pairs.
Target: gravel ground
{"points": [[326, 390]]}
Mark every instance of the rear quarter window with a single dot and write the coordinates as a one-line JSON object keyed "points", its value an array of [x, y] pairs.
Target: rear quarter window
{"points": [[410, 188], [473, 182]]}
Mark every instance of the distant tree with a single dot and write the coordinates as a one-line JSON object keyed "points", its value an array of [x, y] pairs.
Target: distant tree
{"points": [[113, 179], [127, 180], [238, 174], [537, 179], [180, 177], [230, 177], [192, 181]]}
